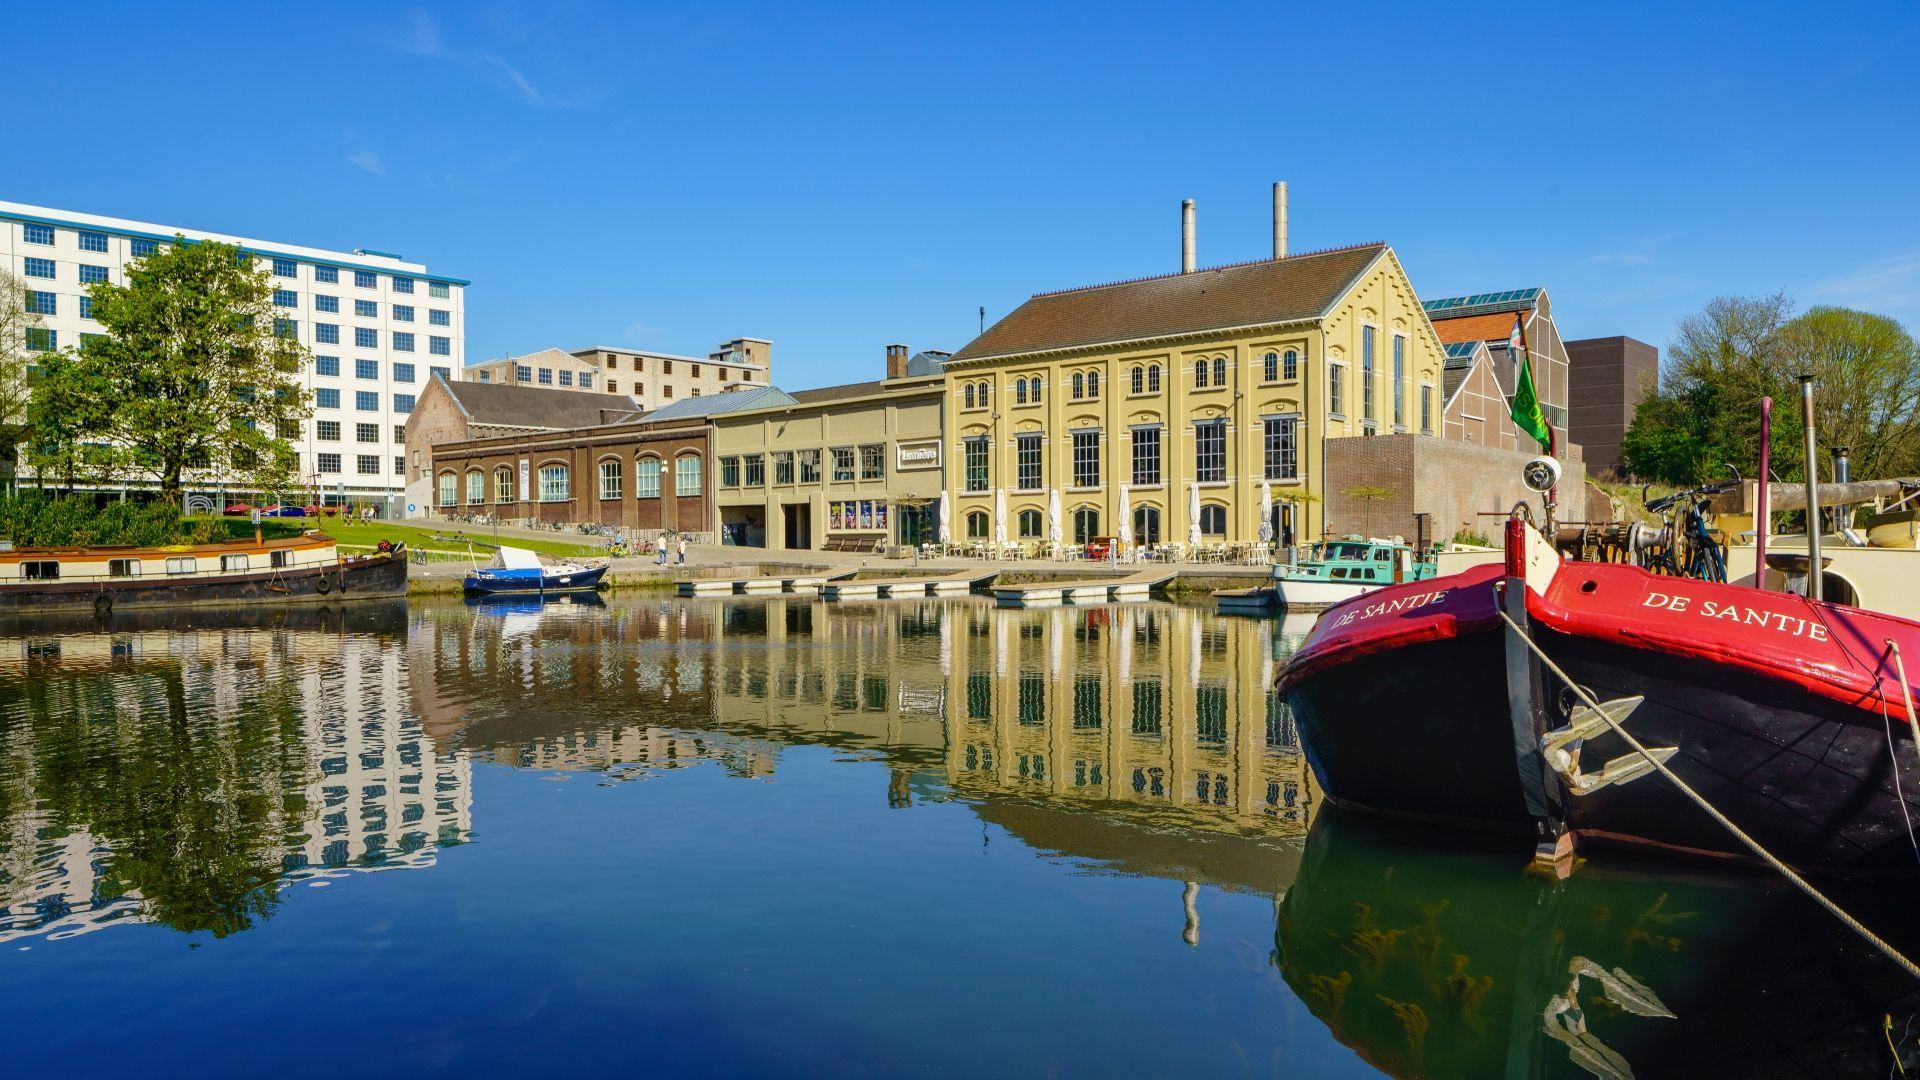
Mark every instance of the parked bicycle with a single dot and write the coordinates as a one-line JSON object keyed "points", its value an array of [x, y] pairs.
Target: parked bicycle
{"points": [[1683, 545]]}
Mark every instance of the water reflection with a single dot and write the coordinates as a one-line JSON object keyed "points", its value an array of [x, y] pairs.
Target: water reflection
{"points": [[187, 772], [167, 772]]}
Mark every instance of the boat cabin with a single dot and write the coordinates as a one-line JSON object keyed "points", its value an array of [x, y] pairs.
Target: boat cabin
{"points": [[1372, 562], [22, 566]]}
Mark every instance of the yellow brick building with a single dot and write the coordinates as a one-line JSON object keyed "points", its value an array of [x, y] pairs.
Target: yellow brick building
{"points": [[1205, 382]]}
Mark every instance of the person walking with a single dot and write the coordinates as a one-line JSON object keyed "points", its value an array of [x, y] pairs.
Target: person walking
{"points": [[663, 551]]}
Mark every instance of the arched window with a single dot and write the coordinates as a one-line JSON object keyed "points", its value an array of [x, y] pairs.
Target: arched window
{"points": [[449, 489], [1146, 525], [1019, 391], [1200, 374], [969, 395], [1213, 520], [686, 475], [1093, 384], [1290, 366], [1219, 371], [646, 478], [978, 525], [1086, 524], [1139, 376], [1033, 389], [610, 479], [554, 483], [1079, 386], [983, 394], [1029, 524], [1153, 378], [503, 485], [1270, 367], [476, 488]]}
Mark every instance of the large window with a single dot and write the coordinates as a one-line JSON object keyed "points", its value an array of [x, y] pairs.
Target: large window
{"points": [[975, 450], [1210, 451], [92, 275], [366, 309], [1146, 455], [646, 478], [1337, 389], [1399, 381], [42, 303], [842, 464], [783, 466], [476, 487], [686, 475], [366, 433], [35, 233], [1213, 520], [330, 463], [1146, 525], [1029, 523], [449, 483], [327, 430], [439, 318], [365, 279], [330, 304], [1028, 475], [366, 401], [1282, 448], [364, 338], [978, 525], [1086, 524], [1426, 409], [366, 369], [403, 372], [39, 268], [730, 471], [554, 483], [326, 397], [286, 298], [1086, 459], [329, 275], [756, 468], [503, 485], [809, 466], [610, 479], [1366, 375], [873, 462]]}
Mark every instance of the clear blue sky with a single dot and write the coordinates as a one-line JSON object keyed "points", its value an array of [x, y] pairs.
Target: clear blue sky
{"points": [[836, 178]]}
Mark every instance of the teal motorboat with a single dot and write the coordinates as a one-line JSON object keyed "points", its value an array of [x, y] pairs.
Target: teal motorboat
{"points": [[1343, 569]]}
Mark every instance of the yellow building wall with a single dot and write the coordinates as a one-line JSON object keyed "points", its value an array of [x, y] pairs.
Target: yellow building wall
{"points": [[1383, 298]]}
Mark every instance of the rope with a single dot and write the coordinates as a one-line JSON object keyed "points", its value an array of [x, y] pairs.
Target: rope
{"points": [[1739, 834], [1893, 755]]}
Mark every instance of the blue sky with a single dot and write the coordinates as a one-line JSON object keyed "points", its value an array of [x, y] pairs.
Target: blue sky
{"points": [[836, 178]]}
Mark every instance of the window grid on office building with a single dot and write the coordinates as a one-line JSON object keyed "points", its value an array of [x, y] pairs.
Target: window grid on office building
{"points": [[873, 462], [842, 463], [1028, 475], [1210, 451], [1086, 459], [1282, 449]]}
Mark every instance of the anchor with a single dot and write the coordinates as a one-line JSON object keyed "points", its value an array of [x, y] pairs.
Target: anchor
{"points": [[1562, 747]]}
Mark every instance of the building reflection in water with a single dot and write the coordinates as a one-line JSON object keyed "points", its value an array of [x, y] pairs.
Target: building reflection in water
{"points": [[154, 772], [1145, 737]]}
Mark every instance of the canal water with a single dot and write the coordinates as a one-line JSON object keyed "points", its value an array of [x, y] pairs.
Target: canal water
{"points": [[787, 837]]}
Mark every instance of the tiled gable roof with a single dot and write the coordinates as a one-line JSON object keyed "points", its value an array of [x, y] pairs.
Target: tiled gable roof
{"points": [[1292, 289], [1492, 327], [512, 405]]}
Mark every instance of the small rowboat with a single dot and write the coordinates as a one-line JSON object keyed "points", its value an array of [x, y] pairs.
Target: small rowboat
{"points": [[517, 571]]}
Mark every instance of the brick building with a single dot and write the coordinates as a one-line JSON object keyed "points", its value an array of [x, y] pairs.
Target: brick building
{"points": [[450, 412], [1376, 486], [1511, 324], [1609, 377], [1477, 409], [649, 476]]}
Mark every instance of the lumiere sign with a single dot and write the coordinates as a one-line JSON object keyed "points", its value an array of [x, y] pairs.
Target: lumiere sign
{"points": [[919, 454]]}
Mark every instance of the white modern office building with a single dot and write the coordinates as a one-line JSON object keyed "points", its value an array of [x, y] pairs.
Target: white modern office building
{"points": [[378, 327]]}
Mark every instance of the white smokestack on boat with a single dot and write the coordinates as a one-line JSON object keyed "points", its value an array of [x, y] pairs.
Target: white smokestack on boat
{"points": [[1187, 263], [1280, 219]]}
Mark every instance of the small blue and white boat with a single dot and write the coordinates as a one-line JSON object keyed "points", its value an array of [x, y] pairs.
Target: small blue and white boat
{"points": [[517, 571]]}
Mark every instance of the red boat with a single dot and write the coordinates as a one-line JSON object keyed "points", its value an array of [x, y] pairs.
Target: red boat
{"points": [[1789, 715]]}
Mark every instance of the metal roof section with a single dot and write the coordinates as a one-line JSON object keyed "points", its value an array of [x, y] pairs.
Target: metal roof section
{"points": [[1462, 351], [688, 408], [1454, 307]]}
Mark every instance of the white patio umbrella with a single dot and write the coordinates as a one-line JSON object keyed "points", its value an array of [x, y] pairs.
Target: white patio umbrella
{"points": [[1266, 512], [1053, 517], [1000, 515], [946, 520], [1125, 532], [1193, 516]]}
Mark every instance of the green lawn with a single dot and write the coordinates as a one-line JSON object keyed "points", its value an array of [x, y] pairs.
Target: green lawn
{"points": [[371, 533]]}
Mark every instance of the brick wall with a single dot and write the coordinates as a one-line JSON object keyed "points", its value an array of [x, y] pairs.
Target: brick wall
{"points": [[1374, 486], [582, 451], [1610, 375]]}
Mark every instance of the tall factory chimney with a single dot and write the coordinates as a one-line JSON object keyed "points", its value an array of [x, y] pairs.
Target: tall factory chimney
{"points": [[1279, 219], [1187, 263]]}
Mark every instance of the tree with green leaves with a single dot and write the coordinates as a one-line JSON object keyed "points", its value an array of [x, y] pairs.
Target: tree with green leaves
{"points": [[196, 370], [70, 402], [1706, 413], [17, 323]]}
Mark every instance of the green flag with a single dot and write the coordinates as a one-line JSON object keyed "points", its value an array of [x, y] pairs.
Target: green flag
{"points": [[1527, 415]]}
